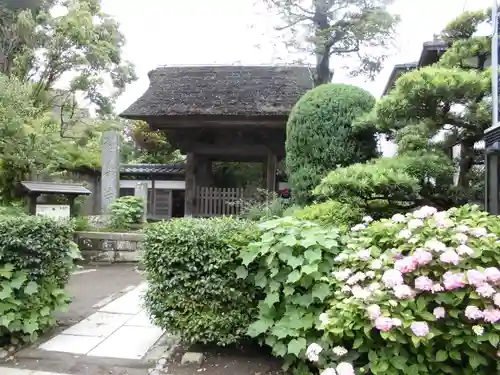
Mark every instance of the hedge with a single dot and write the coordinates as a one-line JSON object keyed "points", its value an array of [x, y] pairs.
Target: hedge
{"points": [[193, 288], [320, 137], [331, 213], [36, 259]]}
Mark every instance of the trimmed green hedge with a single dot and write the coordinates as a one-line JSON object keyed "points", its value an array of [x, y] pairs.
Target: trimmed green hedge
{"points": [[36, 260], [193, 288], [320, 136]]}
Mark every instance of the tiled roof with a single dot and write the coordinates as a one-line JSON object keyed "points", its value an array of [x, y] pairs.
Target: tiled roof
{"points": [[152, 168], [55, 188]]}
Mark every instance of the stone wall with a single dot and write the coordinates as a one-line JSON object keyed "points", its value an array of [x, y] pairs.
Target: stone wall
{"points": [[110, 247]]}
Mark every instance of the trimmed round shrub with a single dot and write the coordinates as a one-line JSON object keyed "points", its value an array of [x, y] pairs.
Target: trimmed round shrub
{"points": [[320, 136], [419, 294], [331, 213], [193, 289]]}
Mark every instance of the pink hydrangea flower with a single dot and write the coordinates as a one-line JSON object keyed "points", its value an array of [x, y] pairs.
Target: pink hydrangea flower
{"points": [[475, 277], [420, 329], [473, 313], [383, 324], [391, 278], [422, 257], [491, 315], [373, 311], [464, 250], [405, 265], [452, 281], [496, 299], [450, 257], [485, 290], [492, 274], [403, 292], [439, 312], [423, 283]]}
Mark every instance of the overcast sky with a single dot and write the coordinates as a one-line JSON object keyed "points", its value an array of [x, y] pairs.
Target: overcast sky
{"points": [[164, 32]]}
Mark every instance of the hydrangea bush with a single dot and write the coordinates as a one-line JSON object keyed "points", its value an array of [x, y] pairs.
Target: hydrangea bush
{"points": [[418, 294]]}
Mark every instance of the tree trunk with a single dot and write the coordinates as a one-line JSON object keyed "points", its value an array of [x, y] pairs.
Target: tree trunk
{"points": [[321, 44]]}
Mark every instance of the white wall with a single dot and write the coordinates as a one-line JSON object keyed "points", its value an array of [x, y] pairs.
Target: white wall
{"points": [[173, 185]]}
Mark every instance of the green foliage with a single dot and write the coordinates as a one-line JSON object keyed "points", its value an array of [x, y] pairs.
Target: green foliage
{"points": [[80, 38], [15, 209], [332, 213], [193, 288], [406, 287], [320, 137], [421, 114], [81, 223], [289, 262], [397, 183], [144, 146], [126, 211], [36, 259], [264, 205]]}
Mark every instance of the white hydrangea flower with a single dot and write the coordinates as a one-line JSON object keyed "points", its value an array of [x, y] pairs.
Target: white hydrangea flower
{"points": [[478, 330], [398, 218], [313, 352], [324, 319], [415, 223], [329, 371], [424, 212], [405, 233], [478, 232], [339, 351], [376, 264], [358, 227]]}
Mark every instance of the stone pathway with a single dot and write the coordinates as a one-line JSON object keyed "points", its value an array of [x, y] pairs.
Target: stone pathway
{"points": [[120, 329], [106, 331], [15, 371]]}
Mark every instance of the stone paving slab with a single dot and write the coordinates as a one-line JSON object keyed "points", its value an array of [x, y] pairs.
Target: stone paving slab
{"points": [[15, 371], [120, 329]]}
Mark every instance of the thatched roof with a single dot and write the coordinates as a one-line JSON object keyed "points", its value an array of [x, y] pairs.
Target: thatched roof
{"points": [[221, 90]]}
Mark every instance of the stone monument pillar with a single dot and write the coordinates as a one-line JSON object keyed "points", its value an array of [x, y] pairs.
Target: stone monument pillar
{"points": [[141, 191], [110, 169]]}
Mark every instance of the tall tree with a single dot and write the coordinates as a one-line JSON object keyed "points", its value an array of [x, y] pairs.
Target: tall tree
{"points": [[358, 28], [429, 111], [79, 42]]}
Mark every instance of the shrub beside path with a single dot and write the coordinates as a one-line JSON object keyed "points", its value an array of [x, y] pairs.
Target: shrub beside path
{"points": [[93, 289]]}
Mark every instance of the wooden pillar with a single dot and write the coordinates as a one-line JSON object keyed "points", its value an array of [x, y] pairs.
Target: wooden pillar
{"points": [[190, 193], [204, 176], [271, 165], [71, 203], [32, 200]]}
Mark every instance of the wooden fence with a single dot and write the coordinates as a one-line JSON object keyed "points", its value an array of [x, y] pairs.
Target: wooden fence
{"points": [[211, 201]]}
